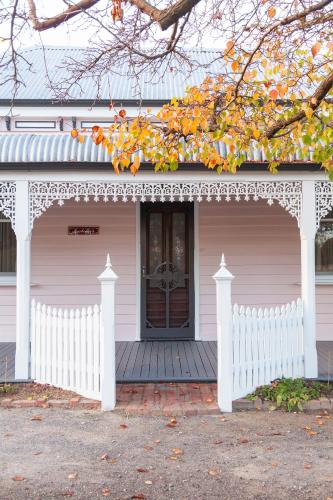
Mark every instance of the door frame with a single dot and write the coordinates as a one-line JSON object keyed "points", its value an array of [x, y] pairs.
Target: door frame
{"points": [[196, 271]]}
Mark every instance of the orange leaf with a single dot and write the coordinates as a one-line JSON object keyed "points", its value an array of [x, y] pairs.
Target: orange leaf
{"points": [[316, 48], [213, 472], [271, 12], [141, 469], [105, 456], [18, 478], [234, 65], [37, 417], [230, 44], [273, 94], [74, 133], [177, 451], [123, 426], [243, 440], [106, 492], [138, 496], [122, 113]]}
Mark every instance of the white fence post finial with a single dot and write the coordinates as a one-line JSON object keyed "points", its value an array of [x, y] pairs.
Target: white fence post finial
{"points": [[223, 279], [107, 343]]}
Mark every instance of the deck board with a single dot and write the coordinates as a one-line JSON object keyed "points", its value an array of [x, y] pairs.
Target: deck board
{"points": [[150, 361]]}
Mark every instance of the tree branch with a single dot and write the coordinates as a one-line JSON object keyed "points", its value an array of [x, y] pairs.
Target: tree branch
{"points": [[53, 22], [314, 102], [166, 17]]}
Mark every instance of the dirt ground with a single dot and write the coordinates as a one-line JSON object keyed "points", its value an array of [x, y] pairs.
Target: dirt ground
{"points": [[87, 454], [35, 391]]}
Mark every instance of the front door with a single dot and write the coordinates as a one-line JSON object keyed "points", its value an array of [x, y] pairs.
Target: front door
{"points": [[167, 247]]}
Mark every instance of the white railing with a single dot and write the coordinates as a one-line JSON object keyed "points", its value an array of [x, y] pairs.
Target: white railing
{"points": [[75, 349], [254, 345], [267, 344], [65, 348]]}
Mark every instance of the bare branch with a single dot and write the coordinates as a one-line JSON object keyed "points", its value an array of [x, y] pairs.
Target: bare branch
{"points": [[55, 21]]}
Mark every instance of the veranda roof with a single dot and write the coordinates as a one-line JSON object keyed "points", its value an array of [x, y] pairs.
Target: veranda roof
{"points": [[48, 148]]}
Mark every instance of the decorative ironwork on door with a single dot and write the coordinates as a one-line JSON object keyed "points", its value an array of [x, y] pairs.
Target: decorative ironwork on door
{"points": [[167, 270]]}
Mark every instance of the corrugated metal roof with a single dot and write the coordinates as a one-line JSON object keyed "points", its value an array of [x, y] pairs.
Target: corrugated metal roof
{"points": [[23, 148], [47, 64]]}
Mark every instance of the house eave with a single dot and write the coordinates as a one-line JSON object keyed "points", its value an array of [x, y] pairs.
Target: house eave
{"points": [[188, 167]]}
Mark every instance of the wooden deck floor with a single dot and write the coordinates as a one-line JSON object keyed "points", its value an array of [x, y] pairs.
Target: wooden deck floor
{"points": [[152, 361]]}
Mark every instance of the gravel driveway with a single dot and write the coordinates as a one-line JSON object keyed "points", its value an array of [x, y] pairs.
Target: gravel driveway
{"points": [[91, 455]]}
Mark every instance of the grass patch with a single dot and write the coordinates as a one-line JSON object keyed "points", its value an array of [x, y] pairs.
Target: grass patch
{"points": [[291, 394]]}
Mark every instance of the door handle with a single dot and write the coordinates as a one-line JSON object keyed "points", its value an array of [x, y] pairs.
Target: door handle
{"points": [[143, 270]]}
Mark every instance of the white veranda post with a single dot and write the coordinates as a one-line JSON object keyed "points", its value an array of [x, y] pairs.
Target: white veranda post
{"points": [[308, 234], [223, 279], [23, 245], [107, 340]]}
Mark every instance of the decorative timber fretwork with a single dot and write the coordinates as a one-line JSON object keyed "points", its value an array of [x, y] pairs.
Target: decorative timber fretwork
{"points": [[287, 193], [324, 199], [7, 200]]}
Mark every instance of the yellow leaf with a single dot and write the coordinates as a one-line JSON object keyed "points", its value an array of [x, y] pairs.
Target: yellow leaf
{"points": [[256, 133], [234, 65], [271, 12]]}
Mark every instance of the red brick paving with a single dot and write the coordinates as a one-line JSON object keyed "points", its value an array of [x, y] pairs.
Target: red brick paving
{"points": [[167, 399]]}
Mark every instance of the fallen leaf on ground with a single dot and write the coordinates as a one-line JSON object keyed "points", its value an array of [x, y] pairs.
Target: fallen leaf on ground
{"points": [[72, 476], [178, 451], [37, 417], [307, 427], [112, 461], [147, 447], [148, 482], [173, 422], [105, 456], [37, 453], [157, 441], [18, 478], [312, 433], [213, 472], [105, 492], [329, 478], [173, 457], [223, 419], [218, 441], [141, 469], [67, 493], [138, 496], [307, 466], [123, 426], [274, 465], [243, 440]]}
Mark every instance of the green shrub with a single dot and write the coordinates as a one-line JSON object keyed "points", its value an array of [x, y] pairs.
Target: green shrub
{"points": [[291, 394], [7, 388]]}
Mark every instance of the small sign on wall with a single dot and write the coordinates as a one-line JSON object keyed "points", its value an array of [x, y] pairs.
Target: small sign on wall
{"points": [[83, 230]]}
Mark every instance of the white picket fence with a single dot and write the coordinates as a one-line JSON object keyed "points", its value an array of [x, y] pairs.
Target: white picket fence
{"points": [[65, 348], [267, 344], [254, 345], [75, 349]]}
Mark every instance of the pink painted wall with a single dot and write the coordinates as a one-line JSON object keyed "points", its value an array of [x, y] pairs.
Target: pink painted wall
{"points": [[65, 268], [262, 248], [261, 245]]}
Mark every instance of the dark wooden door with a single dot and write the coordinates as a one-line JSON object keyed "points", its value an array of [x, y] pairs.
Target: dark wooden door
{"points": [[167, 246]]}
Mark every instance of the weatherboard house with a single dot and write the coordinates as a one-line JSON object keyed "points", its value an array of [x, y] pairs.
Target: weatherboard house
{"points": [[166, 307]]}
